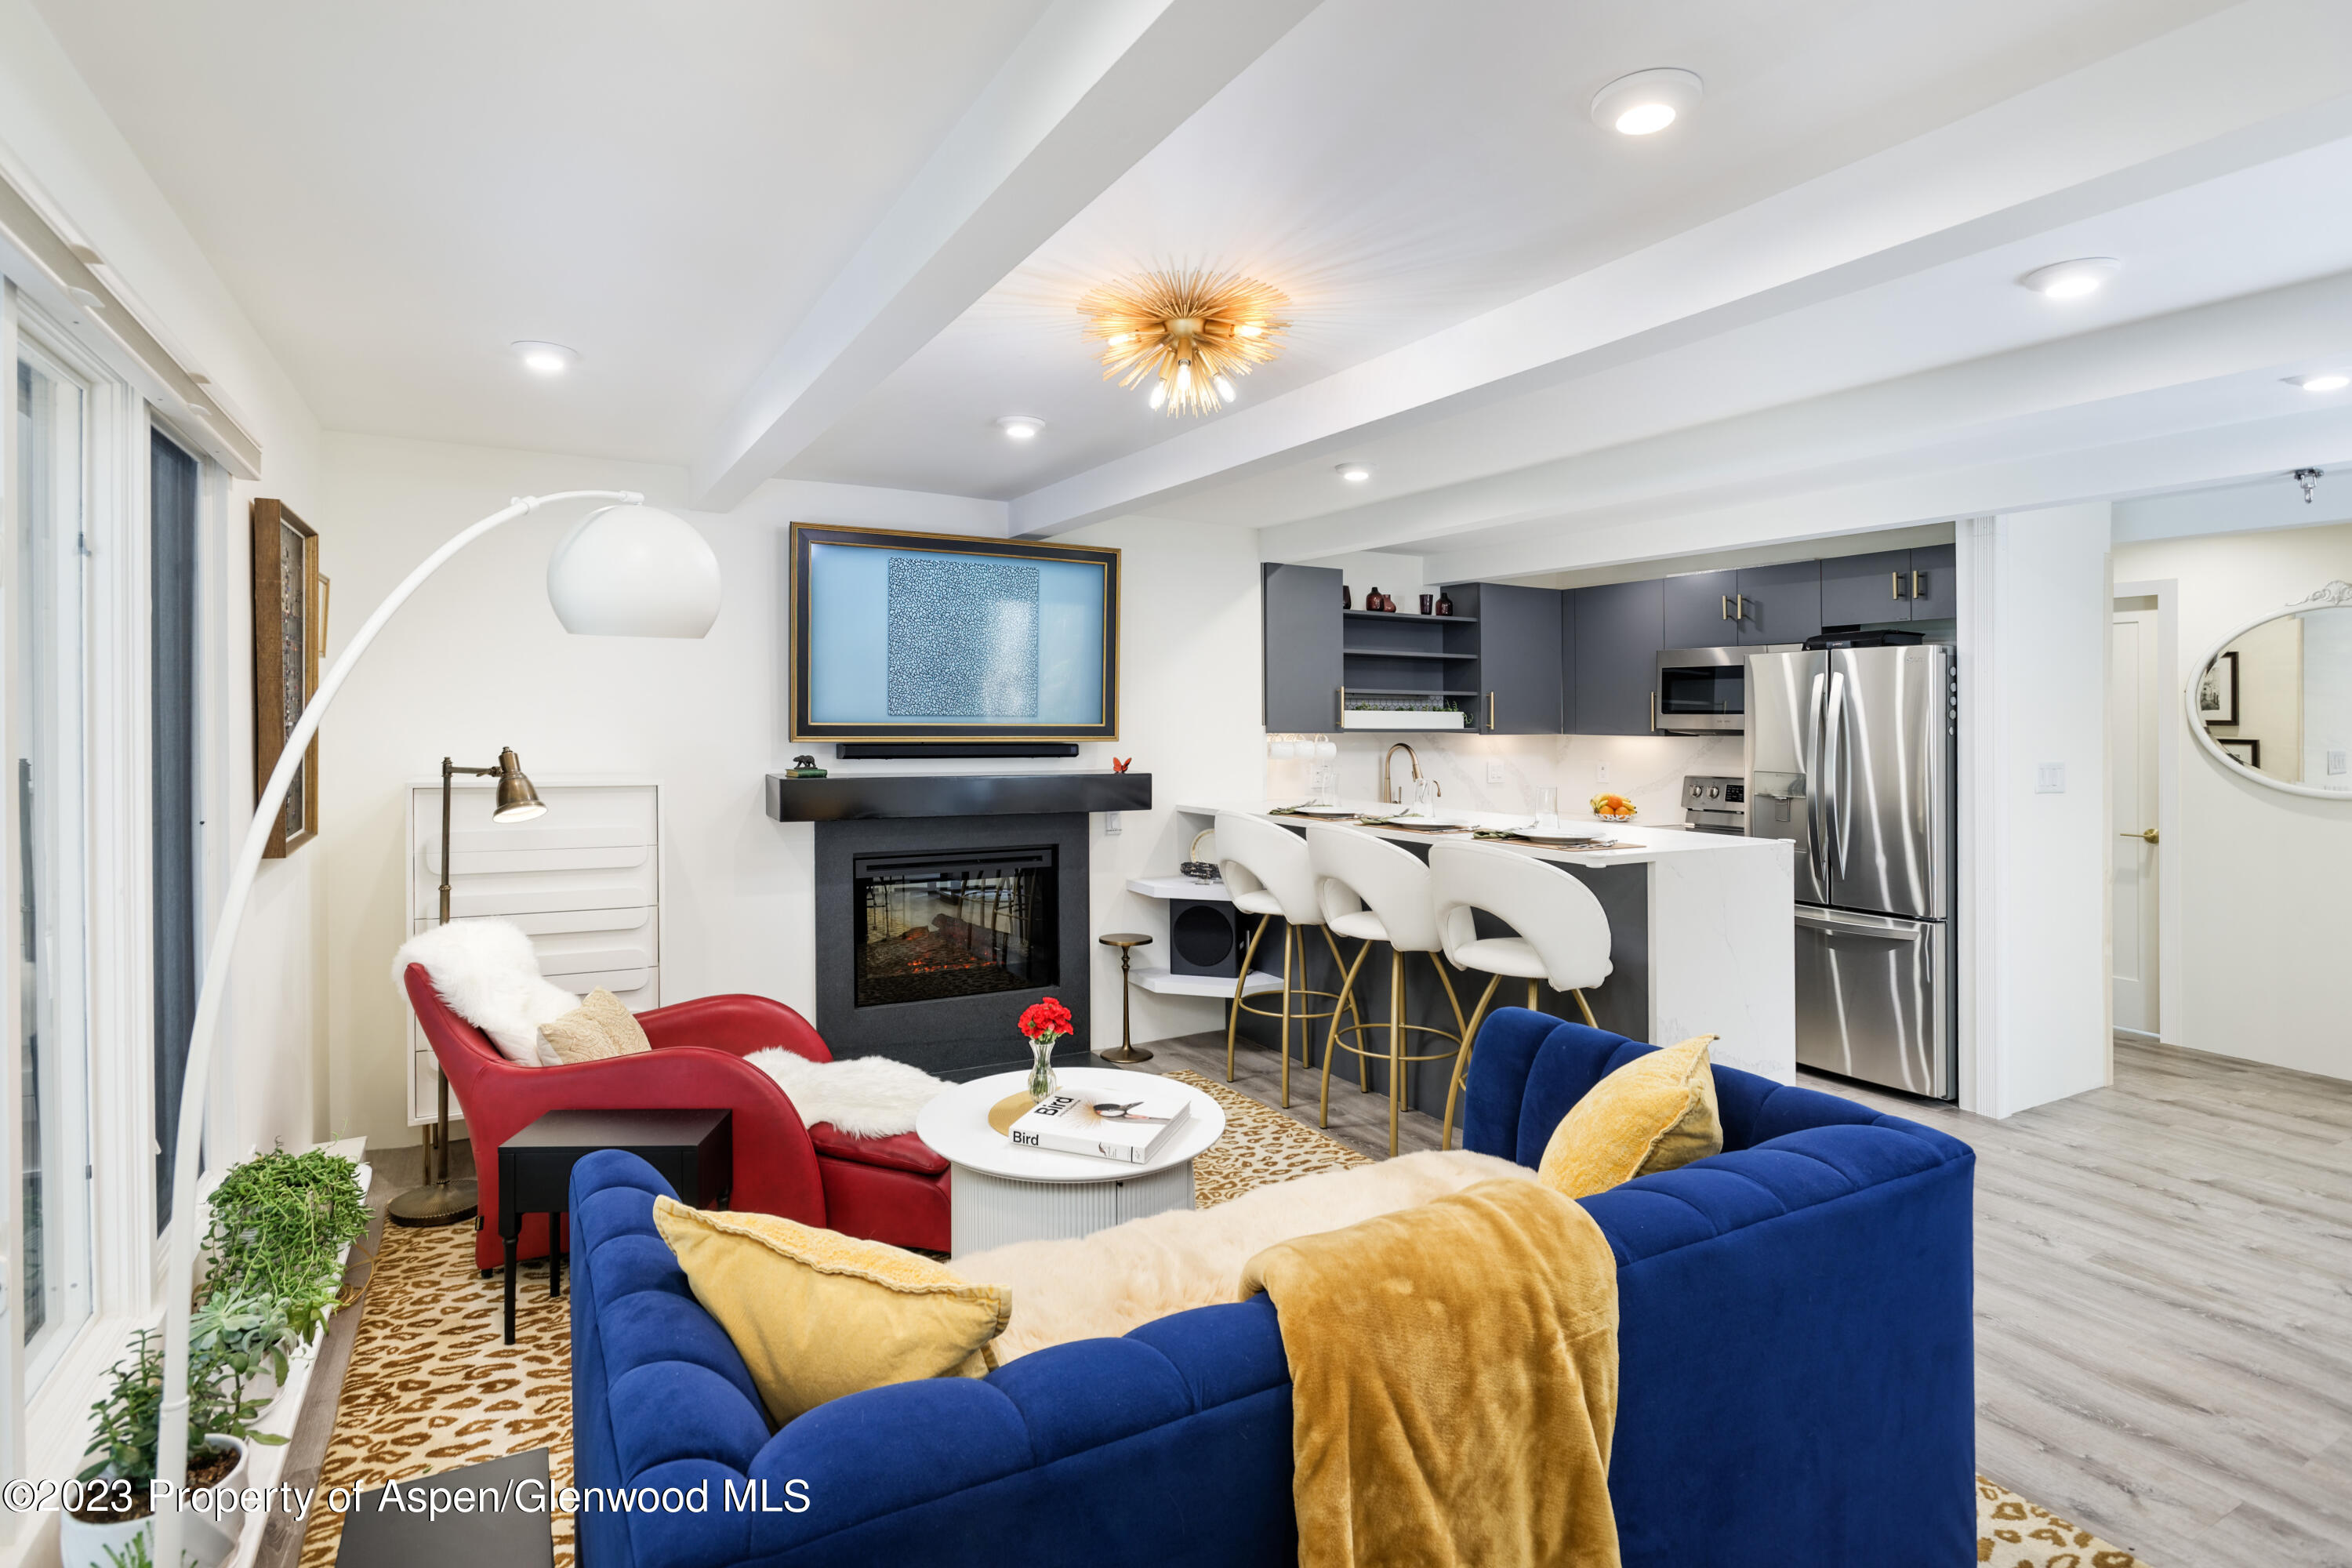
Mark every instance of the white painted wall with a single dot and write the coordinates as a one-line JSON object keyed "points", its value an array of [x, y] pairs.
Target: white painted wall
{"points": [[2035, 608], [2262, 873], [477, 661]]}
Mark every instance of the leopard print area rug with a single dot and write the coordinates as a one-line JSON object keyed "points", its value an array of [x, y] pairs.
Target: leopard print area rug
{"points": [[431, 1386]]}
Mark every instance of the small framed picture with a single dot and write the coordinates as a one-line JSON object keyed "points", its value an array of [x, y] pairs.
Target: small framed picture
{"points": [[290, 627], [2244, 749], [2217, 694]]}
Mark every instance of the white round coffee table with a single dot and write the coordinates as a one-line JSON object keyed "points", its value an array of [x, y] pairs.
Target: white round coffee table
{"points": [[1002, 1193]]}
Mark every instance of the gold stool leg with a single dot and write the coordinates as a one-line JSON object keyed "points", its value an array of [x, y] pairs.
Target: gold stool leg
{"points": [[1461, 1059], [1289, 932], [1354, 1011], [1532, 998], [1584, 1007], [1332, 1043], [1240, 985], [1396, 1043]]}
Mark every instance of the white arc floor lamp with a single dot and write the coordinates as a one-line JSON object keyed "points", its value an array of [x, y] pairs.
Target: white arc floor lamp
{"points": [[625, 570]]}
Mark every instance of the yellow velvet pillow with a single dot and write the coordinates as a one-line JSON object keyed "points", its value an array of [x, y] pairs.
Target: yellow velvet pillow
{"points": [[599, 1027], [816, 1315], [1652, 1114]]}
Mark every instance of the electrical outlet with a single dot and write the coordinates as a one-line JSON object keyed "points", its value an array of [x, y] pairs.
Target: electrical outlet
{"points": [[1112, 824], [1494, 771], [1601, 774], [2050, 778]]}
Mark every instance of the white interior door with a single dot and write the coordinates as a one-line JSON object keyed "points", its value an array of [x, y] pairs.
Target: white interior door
{"points": [[2132, 711]]}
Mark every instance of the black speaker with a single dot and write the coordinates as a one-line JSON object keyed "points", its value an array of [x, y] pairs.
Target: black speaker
{"points": [[1205, 937]]}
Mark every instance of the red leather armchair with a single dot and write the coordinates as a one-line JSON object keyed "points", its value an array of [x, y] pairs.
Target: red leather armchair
{"points": [[888, 1189]]}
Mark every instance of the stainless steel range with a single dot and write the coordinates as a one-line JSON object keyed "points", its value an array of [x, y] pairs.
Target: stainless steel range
{"points": [[1715, 805]]}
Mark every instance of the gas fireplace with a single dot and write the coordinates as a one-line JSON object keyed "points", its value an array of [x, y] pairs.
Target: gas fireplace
{"points": [[961, 923], [933, 932]]}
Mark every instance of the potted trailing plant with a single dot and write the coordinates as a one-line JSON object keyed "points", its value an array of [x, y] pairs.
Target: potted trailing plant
{"points": [[1043, 1022], [114, 1517], [279, 1224]]}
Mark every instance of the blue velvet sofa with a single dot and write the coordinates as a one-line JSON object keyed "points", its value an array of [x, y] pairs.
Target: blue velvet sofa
{"points": [[1797, 1375]]}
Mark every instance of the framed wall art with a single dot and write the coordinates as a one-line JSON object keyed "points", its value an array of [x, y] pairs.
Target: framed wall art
{"points": [[289, 630], [2243, 750], [2217, 694]]}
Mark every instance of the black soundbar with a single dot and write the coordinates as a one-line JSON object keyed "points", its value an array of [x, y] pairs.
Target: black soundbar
{"points": [[881, 751]]}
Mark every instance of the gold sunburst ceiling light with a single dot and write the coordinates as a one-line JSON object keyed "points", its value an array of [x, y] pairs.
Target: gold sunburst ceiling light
{"points": [[1190, 334]]}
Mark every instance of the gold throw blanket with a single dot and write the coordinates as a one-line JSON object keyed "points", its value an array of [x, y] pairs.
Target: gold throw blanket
{"points": [[1453, 1383]]}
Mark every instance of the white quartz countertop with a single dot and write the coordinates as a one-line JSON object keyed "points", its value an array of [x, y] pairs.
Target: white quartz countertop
{"points": [[1648, 843]]}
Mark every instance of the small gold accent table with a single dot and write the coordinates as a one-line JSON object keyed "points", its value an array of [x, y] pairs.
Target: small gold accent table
{"points": [[1127, 942]]}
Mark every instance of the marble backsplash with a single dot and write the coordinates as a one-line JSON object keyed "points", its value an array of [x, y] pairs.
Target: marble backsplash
{"points": [[1646, 769]]}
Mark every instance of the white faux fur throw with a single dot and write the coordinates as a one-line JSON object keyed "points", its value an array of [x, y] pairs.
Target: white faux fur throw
{"points": [[1103, 1284], [489, 974], [864, 1097]]}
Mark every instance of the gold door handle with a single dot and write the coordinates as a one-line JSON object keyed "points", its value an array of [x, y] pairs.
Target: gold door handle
{"points": [[2146, 834], [1915, 585], [1727, 608], [1895, 584], [1743, 606], [1653, 713]]}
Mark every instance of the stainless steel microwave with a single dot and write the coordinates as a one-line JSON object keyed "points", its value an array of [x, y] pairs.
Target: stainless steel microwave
{"points": [[1704, 691]]}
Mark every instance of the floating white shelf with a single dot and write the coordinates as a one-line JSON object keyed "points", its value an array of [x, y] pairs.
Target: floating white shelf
{"points": [[1151, 977], [1400, 719], [1180, 888]]}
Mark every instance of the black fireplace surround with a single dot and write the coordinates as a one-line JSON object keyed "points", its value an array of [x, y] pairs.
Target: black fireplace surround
{"points": [[934, 933]]}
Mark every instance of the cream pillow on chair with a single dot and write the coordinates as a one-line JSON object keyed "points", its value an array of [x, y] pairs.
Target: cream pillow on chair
{"points": [[1655, 1113], [598, 1028]]}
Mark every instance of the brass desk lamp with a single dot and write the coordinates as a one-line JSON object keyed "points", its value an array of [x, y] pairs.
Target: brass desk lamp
{"points": [[442, 1201]]}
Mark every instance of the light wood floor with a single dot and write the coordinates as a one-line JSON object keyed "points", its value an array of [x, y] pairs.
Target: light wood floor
{"points": [[2164, 1295]]}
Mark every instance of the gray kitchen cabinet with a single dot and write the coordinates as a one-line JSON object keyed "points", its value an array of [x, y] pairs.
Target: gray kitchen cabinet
{"points": [[1619, 627], [1778, 604], [1933, 586], [1866, 590], [1700, 609], [1518, 656], [1301, 606], [1567, 712]]}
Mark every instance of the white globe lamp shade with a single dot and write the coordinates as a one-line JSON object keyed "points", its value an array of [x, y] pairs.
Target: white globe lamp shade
{"points": [[634, 572]]}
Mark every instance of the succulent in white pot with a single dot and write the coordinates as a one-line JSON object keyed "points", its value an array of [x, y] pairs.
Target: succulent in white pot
{"points": [[113, 1528]]}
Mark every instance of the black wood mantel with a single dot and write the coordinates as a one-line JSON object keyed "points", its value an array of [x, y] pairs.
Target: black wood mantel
{"points": [[845, 798]]}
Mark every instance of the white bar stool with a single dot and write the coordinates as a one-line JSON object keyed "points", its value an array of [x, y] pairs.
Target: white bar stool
{"points": [[1563, 934], [1266, 868], [1377, 892]]}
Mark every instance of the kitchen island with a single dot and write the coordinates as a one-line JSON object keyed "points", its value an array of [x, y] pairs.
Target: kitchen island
{"points": [[1702, 940]]}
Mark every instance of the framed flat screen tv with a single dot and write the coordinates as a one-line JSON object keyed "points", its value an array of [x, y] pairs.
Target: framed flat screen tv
{"points": [[927, 637]]}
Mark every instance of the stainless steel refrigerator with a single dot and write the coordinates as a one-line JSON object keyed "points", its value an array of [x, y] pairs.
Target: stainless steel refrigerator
{"points": [[1852, 754]]}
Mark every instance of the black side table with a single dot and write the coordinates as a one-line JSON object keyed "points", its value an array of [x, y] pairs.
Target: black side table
{"points": [[693, 1149], [519, 1532]]}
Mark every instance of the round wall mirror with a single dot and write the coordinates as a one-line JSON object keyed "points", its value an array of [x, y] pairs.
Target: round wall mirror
{"points": [[2274, 699]]}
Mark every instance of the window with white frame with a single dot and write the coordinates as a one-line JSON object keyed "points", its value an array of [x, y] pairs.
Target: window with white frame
{"points": [[47, 751]]}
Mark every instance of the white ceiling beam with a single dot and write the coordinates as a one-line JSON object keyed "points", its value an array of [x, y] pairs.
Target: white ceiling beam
{"points": [[2246, 87], [1094, 86], [1834, 505], [2174, 371]]}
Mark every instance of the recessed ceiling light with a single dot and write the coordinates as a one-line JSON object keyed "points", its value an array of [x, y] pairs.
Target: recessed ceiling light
{"points": [[1647, 101], [2327, 381], [545, 358], [2072, 279], [1021, 427], [1354, 473]]}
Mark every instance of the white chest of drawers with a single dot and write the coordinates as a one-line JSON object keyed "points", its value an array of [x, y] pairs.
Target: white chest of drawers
{"points": [[583, 881]]}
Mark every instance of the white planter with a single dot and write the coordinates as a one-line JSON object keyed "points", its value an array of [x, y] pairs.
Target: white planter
{"points": [[203, 1544]]}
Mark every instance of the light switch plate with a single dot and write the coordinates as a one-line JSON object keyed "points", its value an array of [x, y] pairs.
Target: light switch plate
{"points": [[1601, 774], [1112, 824], [2335, 762], [2050, 778], [1494, 772]]}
